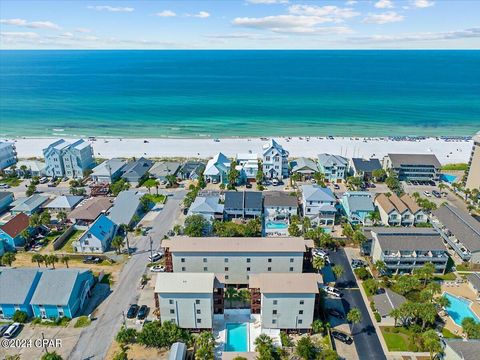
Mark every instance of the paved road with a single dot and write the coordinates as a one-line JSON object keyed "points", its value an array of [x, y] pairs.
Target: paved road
{"points": [[364, 335], [95, 340]]}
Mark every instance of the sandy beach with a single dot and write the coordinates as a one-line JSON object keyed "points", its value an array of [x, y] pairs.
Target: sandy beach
{"points": [[451, 151]]}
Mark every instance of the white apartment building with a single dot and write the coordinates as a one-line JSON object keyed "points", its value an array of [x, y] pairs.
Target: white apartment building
{"points": [[275, 161], [8, 154]]}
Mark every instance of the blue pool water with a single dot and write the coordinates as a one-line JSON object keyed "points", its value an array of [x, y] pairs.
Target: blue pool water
{"points": [[275, 225], [236, 337], [448, 178], [459, 309]]}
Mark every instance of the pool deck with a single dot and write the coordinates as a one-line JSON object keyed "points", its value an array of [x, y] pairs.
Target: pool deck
{"points": [[464, 291]]}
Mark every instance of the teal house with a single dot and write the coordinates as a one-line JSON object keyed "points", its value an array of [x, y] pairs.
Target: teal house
{"points": [[11, 232], [61, 293], [358, 205], [17, 287]]}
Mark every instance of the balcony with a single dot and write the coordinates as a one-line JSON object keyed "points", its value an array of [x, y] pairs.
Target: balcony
{"points": [[456, 245]]}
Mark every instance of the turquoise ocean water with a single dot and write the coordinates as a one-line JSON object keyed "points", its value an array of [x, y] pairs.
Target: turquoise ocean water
{"points": [[239, 93]]}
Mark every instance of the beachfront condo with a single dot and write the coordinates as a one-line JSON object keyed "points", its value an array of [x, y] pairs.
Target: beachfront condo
{"points": [[318, 203], [473, 172], [249, 165], [64, 159], [304, 166], [8, 154], [235, 259], [408, 167], [399, 211], [405, 249], [334, 167], [217, 169], [275, 160], [364, 168]]}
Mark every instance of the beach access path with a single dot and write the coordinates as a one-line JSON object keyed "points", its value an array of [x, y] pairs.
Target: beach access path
{"points": [[452, 151], [96, 339]]}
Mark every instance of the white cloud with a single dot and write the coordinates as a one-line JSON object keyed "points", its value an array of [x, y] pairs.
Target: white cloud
{"points": [[425, 36], [332, 13], [267, 1], [351, 2], [83, 30], [384, 4], [422, 3], [383, 18], [166, 13], [19, 35], [249, 36], [111, 8], [200, 14], [32, 24]]}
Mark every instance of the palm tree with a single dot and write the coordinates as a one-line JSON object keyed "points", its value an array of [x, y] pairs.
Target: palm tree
{"points": [[117, 243], [52, 259], [38, 259], [244, 295], [318, 263], [317, 326], [374, 217], [26, 235], [231, 294], [395, 314], [8, 258], [338, 270], [380, 266], [263, 340], [62, 217], [65, 259], [354, 316]]}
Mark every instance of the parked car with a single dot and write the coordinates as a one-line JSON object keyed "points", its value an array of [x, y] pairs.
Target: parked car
{"points": [[52, 185], [248, 185], [12, 330], [436, 194], [275, 182], [91, 260], [342, 337], [3, 328], [132, 311], [171, 233], [4, 186], [142, 312], [319, 252], [357, 263], [157, 268], [155, 257], [332, 291], [335, 313], [427, 193]]}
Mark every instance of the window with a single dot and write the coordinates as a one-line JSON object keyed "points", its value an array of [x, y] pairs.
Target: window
{"points": [[248, 268], [182, 260], [226, 260], [302, 302], [269, 260], [172, 311], [204, 260], [300, 321], [183, 268], [197, 302], [248, 260], [199, 321], [199, 311], [274, 321], [226, 268], [291, 259], [300, 312], [205, 268], [226, 277], [170, 302], [269, 269], [275, 302], [291, 269], [274, 312]]}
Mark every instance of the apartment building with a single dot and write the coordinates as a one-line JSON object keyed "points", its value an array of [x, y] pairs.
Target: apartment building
{"points": [[421, 167], [284, 300], [459, 230], [235, 259], [275, 160], [64, 159], [399, 211], [189, 300], [8, 154], [405, 249], [473, 172]]}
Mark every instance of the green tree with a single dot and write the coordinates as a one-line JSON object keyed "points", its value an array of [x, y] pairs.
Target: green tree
{"points": [[305, 348], [354, 182], [51, 356], [395, 314], [45, 218], [374, 217], [294, 230], [264, 346], [371, 286], [259, 176], [25, 234], [328, 354], [380, 266], [119, 186], [354, 316], [205, 346], [126, 335], [379, 174], [31, 189], [318, 263], [338, 270], [149, 184], [156, 334], [318, 327], [471, 328], [8, 258], [406, 283], [65, 259], [431, 342], [37, 258], [425, 273], [231, 294], [34, 221], [62, 217], [117, 243], [233, 175], [20, 316], [359, 237], [347, 230], [52, 259], [195, 225]]}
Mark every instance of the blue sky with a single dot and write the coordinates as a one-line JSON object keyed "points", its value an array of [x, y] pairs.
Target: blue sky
{"points": [[240, 24]]}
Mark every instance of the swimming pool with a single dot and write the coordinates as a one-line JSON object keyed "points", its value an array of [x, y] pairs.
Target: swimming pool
{"points": [[275, 225], [459, 309], [236, 337], [448, 178]]}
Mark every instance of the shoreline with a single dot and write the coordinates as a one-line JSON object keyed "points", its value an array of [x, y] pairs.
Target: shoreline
{"points": [[448, 150]]}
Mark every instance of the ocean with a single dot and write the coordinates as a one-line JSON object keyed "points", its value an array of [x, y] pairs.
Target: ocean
{"points": [[239, 93]]}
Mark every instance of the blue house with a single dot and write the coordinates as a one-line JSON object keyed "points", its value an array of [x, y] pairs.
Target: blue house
{"points": [[17, 287], [358, 205], [29, 205], [98, 237], [11, 232], [61, 293], [6, 198]]}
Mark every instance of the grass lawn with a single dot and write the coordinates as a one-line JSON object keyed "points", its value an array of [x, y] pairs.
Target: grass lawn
{"points": [[156, 198], [447, 334], [75, 235], [59, 322], [12, 181], [82, 321], [447, 276], [456, 167], [395, 341]]}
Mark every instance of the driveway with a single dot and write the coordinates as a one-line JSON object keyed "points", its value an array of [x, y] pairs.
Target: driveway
{"points": [[95, 340], [364, 335]]}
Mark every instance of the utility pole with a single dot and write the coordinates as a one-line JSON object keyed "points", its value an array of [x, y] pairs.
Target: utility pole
{"points": [[44, 343], [124, 320], [128, 245], [151, 249]]}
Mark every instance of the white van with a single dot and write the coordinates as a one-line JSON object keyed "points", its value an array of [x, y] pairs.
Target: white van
{"points": [[12, 330]]}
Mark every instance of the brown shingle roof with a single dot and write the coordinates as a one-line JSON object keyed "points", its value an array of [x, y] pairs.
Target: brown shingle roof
{"points": [[411, 204], [91, 208], [399, 205], [16, 225], [384, 202]]}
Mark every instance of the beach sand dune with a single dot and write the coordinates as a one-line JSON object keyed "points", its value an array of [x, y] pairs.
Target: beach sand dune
{"points": [[446, 151]]}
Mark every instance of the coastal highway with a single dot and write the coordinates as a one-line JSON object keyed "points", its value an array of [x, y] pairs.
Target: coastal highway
{"points": [[95, 340], [364, 335]]}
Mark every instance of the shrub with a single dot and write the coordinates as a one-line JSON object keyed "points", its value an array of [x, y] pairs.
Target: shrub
{"points": [[378, 318], [82, 321], [362, 273], [20, 317]]}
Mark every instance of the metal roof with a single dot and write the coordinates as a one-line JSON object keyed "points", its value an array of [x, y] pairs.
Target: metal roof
{"points": [[190, 283], [286, 283], [15, 284], [414, 159]]}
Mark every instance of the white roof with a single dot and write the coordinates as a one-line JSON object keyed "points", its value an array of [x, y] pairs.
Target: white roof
{"points": [[108, 167], [219, 160], [194, 283], [64, 202], [247, 156]]}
